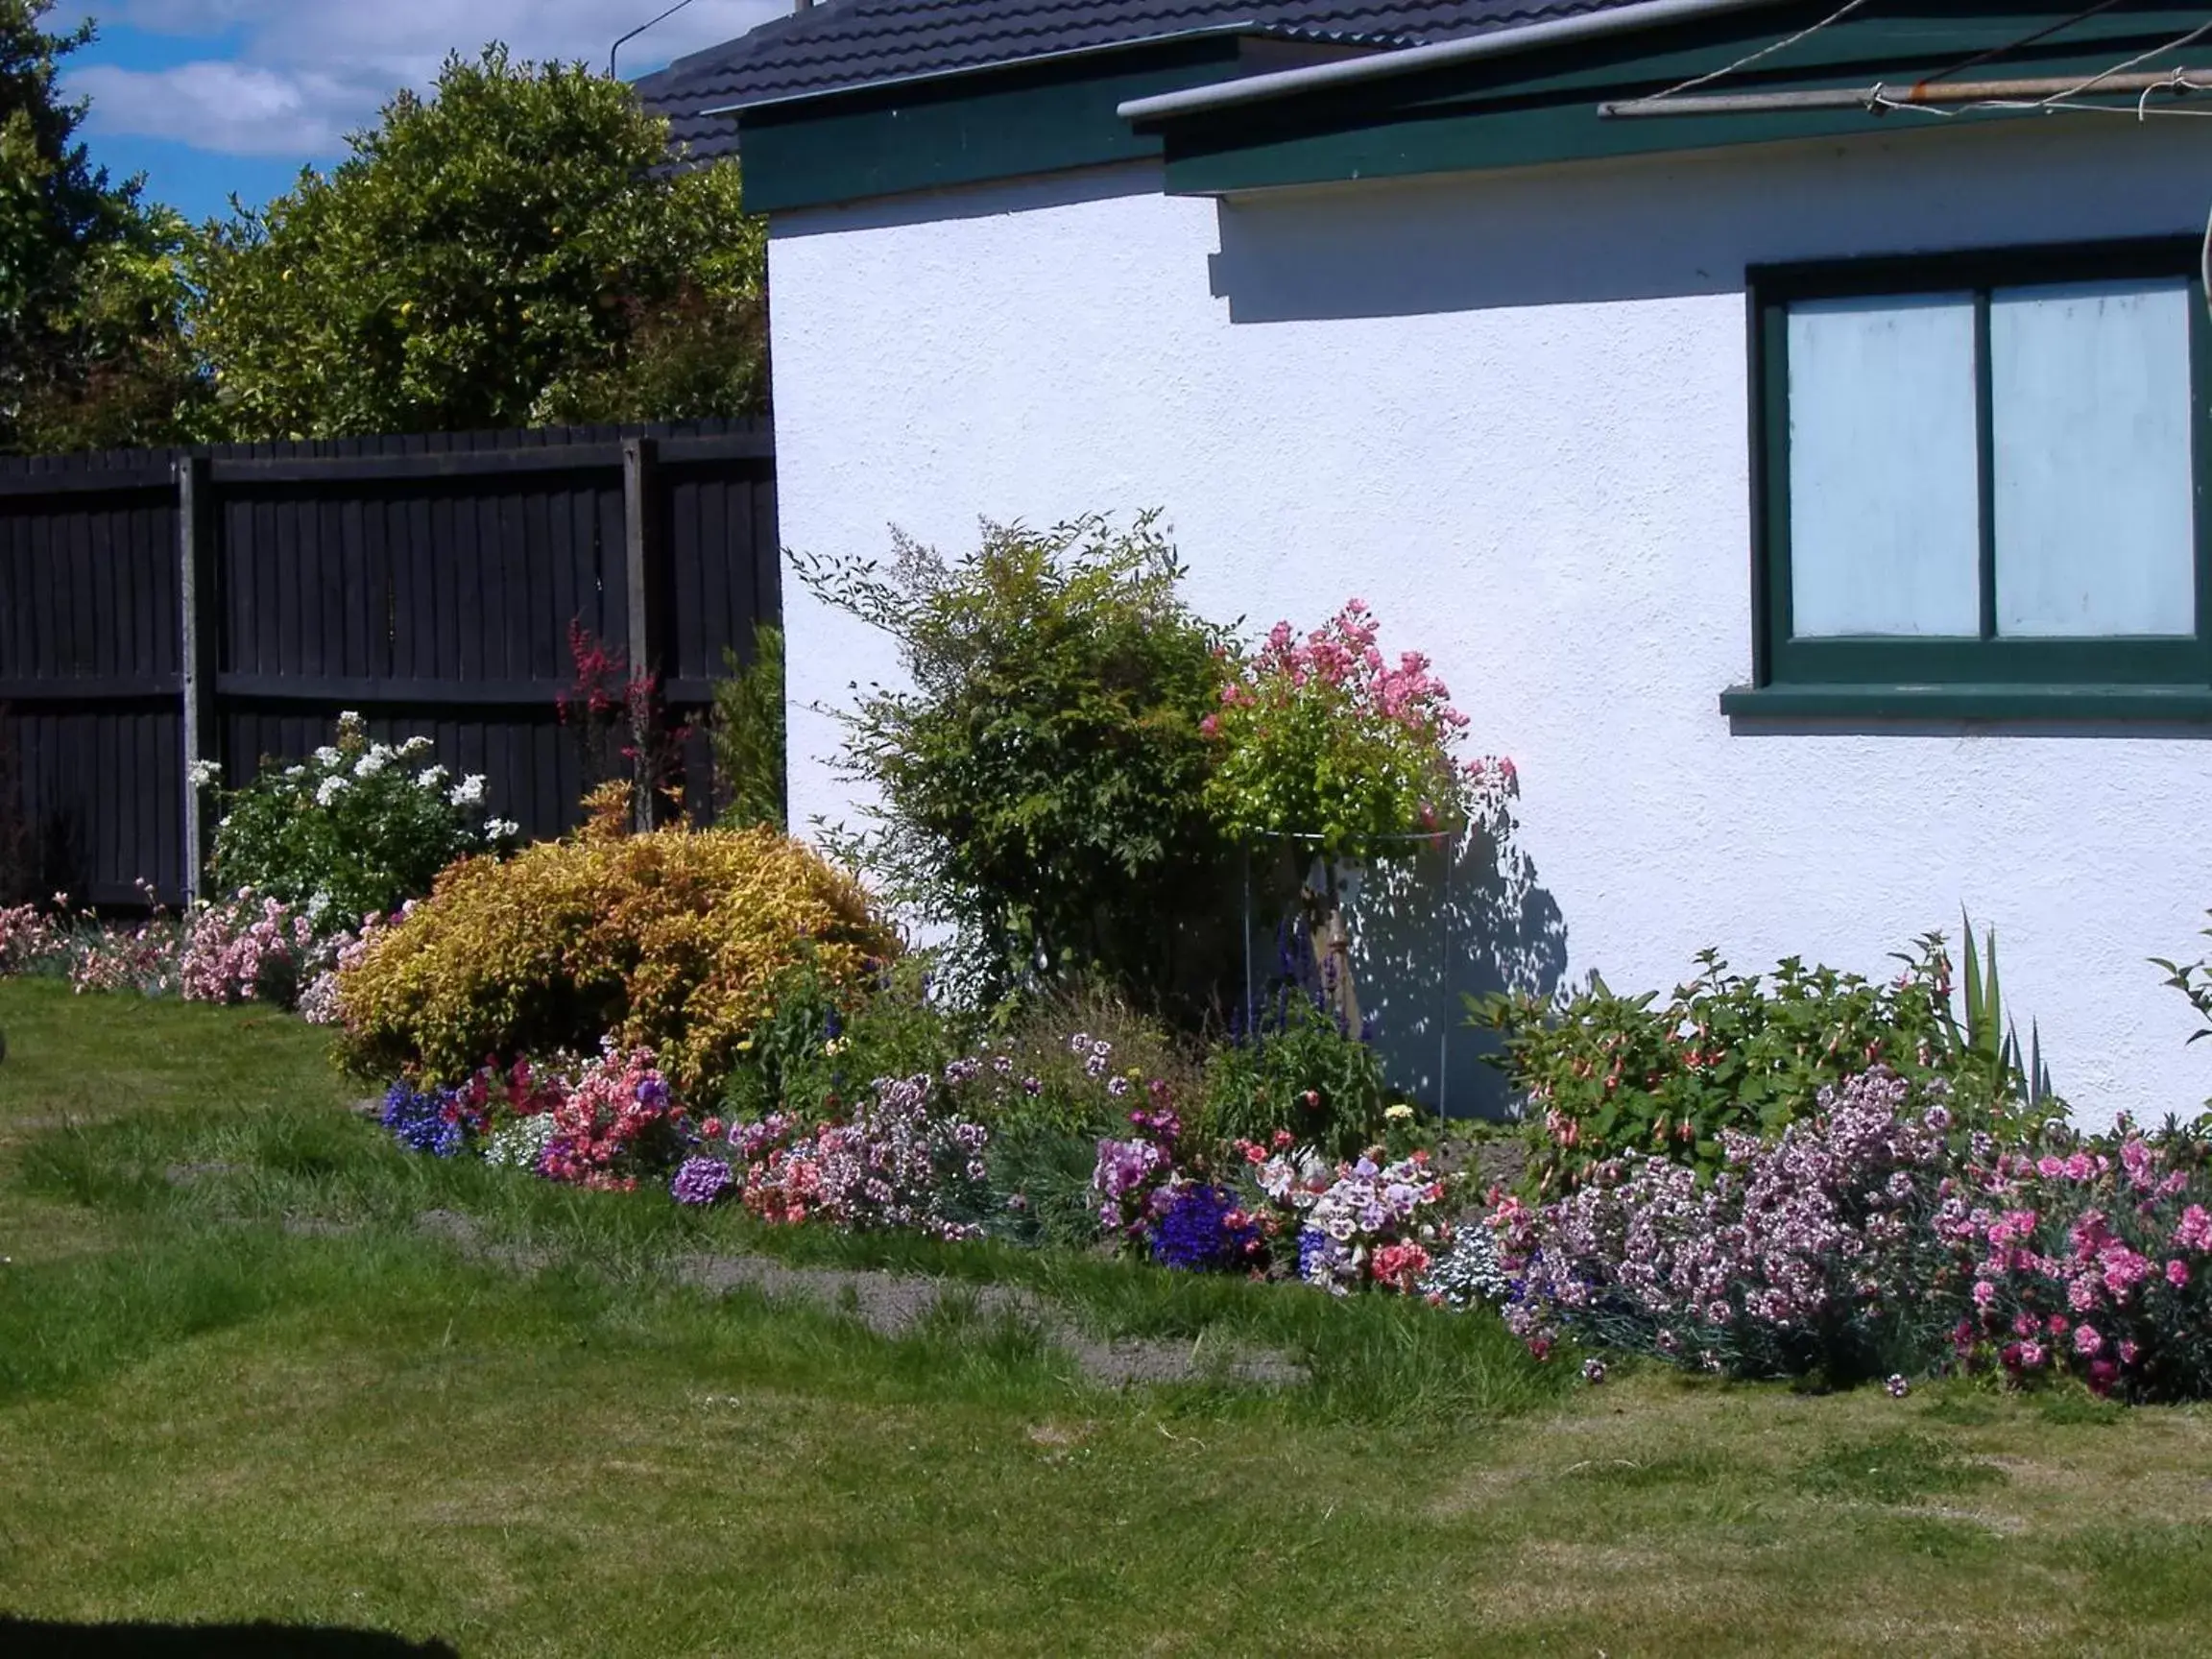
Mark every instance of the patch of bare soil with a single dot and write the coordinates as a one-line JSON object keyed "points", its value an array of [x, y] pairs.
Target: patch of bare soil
{"points": [[893, 1304]]}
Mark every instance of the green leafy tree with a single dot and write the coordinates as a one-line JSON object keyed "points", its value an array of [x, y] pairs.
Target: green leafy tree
{"points": [[511, 251], [1043, 781], [92, 290]]}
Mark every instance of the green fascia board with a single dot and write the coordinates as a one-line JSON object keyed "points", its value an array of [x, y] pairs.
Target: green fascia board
{"points": [[1524, 109], [2076, 705], [968, 127]]}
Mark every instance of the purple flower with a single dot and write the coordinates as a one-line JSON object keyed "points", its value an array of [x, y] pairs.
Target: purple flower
{"points": [[700, 1181]]}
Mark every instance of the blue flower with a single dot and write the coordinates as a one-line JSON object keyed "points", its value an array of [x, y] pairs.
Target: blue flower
{"points": [[1193, 1230], [424, 1123]]}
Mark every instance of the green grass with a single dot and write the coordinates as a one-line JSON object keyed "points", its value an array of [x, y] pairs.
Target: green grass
{"points": [[240, 1381]]}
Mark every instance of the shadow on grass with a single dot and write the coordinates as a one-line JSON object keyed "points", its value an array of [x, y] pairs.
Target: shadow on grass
{"points": [[37, 1638]]}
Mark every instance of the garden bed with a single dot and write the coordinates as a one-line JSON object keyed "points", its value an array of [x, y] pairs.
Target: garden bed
{"points": [[207, 1414]]}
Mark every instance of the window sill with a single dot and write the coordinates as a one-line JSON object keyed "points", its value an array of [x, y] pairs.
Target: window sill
{"points": [[2005, 702]]}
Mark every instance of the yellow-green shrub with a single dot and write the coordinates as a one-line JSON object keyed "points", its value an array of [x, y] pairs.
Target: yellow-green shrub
{"points": [[673, 939]]}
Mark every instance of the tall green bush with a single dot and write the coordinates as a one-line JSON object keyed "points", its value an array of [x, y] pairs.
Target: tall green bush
{"points": [[1042, 779], [1606, 1074]]}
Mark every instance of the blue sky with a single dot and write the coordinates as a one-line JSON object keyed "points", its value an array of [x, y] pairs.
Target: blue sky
{"points": [[208, 98]]}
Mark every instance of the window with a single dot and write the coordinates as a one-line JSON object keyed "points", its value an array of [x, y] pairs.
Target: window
{"points": [[1978, 486]]}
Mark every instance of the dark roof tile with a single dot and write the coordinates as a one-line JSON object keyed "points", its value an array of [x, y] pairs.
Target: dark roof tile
{"points": [[850, 43]]}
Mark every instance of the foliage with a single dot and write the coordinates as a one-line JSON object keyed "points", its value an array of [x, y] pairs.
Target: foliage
{"points": [[511, 251], [672, 941], [92, 352], [622, 728], [826, 1042], [1323, 742], [1991, 1039], [1298, 1071], [1042, 781], [356, 829], [747, 734], [1611, 1073]]}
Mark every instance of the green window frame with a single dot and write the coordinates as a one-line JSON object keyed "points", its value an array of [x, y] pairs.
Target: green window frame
{"points": [[2113, 677]]}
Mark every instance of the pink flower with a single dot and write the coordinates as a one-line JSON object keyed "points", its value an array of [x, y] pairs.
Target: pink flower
{"points": [[2195, 1231], [1984, 1292], [2177, 1273], [2088, 1340], [2128, 1353], [2031, 1354]]}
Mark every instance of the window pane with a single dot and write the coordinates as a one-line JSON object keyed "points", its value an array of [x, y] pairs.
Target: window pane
{"points": [[2089, 406], [1885, 503]]}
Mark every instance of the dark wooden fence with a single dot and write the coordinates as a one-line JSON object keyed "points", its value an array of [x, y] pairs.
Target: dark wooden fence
{"points": [[159, 606]]}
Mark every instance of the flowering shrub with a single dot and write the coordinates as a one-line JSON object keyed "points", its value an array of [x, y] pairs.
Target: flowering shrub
{"points": [[613, 1122], [901, 1162], [1323, 739], [1875, 1237], [1608, 1074], [1467, 1274], [240, 950], [2097, 1262], [29, 940], [338, 954], [1812, 1253], [351, 830], [700, 1181], [1364, 1223], [428, 1120], [674, 941]]}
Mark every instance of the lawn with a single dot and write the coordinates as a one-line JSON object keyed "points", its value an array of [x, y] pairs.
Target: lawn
{"points": [[258, 1365]]}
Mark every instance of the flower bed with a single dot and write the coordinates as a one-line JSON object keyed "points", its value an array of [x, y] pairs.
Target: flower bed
{"points": [[1875, 1238]]}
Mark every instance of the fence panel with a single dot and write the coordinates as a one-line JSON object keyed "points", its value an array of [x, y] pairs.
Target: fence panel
{"points": [[431, 583]]}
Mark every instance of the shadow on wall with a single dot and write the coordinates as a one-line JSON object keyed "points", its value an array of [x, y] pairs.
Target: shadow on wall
{"points": [[1418, 249], [1451, 921]]}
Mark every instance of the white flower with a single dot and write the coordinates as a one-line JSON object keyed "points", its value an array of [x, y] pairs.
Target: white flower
{"points": [[295, 771], [499, 828], [373, 763], [326, 756], [351, 723], [205, 774], [329, 790], [319, 905], [415, 745], [469, 791], [431, 778]]}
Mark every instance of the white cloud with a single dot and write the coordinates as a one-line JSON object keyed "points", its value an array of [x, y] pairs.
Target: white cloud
{"points": [[291, 77]]}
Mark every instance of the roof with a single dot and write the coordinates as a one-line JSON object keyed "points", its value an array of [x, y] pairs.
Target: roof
{"points": [[842, 45]]}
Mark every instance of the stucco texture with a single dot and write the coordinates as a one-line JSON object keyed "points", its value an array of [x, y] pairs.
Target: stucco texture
{"points": [[1511, 412]]}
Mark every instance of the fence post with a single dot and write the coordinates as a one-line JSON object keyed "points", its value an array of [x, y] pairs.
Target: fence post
{"points": [[196, 604], [640, 461]]}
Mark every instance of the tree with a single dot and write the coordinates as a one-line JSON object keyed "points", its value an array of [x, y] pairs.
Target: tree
{"points": [[92, 351], [511, 251]]}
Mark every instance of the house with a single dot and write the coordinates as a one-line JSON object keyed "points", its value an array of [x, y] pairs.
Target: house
{"points": [[1806, 491]]}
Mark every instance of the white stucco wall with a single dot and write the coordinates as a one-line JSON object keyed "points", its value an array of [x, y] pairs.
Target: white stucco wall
{"points": [[1510, 411]]}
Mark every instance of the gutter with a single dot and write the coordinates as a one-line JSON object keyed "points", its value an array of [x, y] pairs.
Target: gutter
{"points": [[1411, 60]]}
